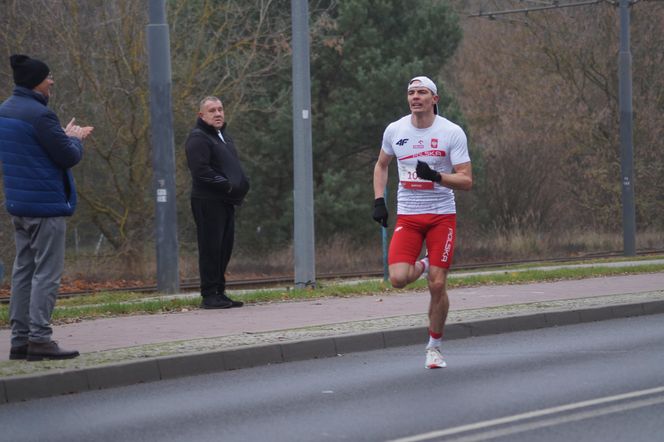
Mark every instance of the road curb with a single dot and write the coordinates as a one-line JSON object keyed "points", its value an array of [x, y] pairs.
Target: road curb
{"points": [[54, 383]]}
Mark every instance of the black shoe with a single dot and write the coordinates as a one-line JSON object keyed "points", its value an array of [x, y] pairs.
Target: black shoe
{"points": [[38, 351], [18, 352], [215, 301], [234, 303]]}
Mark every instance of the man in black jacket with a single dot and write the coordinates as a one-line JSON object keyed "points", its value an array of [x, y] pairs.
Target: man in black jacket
{"points": [[218, 185]]}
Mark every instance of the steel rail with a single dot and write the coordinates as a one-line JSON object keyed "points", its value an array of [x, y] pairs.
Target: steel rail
{"points": [[287, 280]]}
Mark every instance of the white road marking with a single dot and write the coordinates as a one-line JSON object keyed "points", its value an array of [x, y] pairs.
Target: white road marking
{"points": [[543, 423], [545, 412]]}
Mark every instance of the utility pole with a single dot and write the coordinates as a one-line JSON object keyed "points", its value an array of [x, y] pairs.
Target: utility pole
{"points": [[626, 117], [303, 234], [625, 105], [163, 151]]}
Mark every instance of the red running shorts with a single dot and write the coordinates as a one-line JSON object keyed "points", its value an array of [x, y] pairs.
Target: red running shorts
{"points": [[439, 232]]}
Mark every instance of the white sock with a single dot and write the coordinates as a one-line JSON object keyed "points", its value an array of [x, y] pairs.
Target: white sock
{"points": [[434, 342]]}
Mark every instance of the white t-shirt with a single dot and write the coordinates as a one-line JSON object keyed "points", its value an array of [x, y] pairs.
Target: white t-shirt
{"points": [[442, 145]]}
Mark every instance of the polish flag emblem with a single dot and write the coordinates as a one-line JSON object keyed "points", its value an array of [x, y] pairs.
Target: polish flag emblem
{"points": [[434, 143]]}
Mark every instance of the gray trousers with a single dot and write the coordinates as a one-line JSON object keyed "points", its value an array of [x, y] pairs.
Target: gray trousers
{"points": [[38, 267]]}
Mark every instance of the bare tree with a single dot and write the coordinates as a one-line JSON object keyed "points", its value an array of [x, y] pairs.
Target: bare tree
{"points": [[541, 96], [97, 52]]}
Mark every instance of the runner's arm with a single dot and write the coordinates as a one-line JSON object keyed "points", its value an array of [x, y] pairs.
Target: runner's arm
{"points": [[460, 179], [380, 174]]}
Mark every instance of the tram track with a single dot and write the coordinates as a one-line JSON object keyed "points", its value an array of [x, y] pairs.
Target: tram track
{"points": [[287, 280]]}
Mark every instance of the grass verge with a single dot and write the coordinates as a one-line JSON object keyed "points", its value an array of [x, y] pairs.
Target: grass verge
{"points": [[111, 304]]}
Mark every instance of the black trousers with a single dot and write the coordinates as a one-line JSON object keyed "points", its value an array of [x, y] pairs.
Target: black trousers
{"points": [[215, 232]]}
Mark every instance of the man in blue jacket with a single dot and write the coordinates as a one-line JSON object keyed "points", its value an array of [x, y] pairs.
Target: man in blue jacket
{"points": [[37, 154]]}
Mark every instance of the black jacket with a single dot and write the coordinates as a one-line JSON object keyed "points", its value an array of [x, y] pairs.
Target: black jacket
{"points": [[215, 168]]}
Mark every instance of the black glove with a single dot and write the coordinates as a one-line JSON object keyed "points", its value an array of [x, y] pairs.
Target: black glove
{"points": [[427, 173], [380, 211]]}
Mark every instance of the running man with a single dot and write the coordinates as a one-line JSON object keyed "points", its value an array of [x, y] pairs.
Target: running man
{"points": [[433, 162]]}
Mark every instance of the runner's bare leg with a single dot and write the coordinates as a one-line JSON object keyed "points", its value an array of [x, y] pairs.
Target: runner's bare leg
{"points": [[402, 273], [439, 304]]}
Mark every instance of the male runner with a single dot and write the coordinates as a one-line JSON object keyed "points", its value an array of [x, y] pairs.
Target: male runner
{"points": [[433, 161]]}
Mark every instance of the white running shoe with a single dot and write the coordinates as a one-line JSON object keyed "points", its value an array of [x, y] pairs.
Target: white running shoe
{"points": [[434, 358], [425, 263]]}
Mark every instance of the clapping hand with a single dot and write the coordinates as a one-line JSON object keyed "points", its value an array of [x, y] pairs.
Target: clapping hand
{"points": [[76, 131]]}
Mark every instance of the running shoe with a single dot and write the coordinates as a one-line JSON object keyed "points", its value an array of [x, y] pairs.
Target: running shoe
{"points": [[434, 358], [425, 263]]}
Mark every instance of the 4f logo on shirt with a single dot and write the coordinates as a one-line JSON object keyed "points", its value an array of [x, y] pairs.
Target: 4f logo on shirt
{"points": [[434, 143], [401, 142]]}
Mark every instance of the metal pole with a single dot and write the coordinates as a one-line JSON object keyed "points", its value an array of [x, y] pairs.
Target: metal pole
{"points": [[383, 231], [163, 151], [305, 265], [626, 149]]}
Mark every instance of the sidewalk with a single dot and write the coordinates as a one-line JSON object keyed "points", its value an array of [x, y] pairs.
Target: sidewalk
{"points": [[134, 349]]}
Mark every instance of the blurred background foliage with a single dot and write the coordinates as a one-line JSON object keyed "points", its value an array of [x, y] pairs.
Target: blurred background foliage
{"points": [[537, 95]]}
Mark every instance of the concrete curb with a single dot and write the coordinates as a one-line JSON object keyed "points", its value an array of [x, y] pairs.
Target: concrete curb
{"points": [[53, 383]]}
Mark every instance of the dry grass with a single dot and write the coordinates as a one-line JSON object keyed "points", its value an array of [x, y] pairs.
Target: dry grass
{"points": [[346, 255], [523, 244]]}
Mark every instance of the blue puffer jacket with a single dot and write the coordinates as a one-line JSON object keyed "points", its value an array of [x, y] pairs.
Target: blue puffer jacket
{"points": [[36, 157]]}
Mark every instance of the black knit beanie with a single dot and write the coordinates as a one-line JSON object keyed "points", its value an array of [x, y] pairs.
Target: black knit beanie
{"points": [[28, 72]]}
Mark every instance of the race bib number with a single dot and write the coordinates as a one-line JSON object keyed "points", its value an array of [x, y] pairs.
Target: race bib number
{"points": [[410, 180]]}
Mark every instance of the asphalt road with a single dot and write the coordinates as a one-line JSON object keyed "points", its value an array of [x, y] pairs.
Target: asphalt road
{"points": [[600, 381]]}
